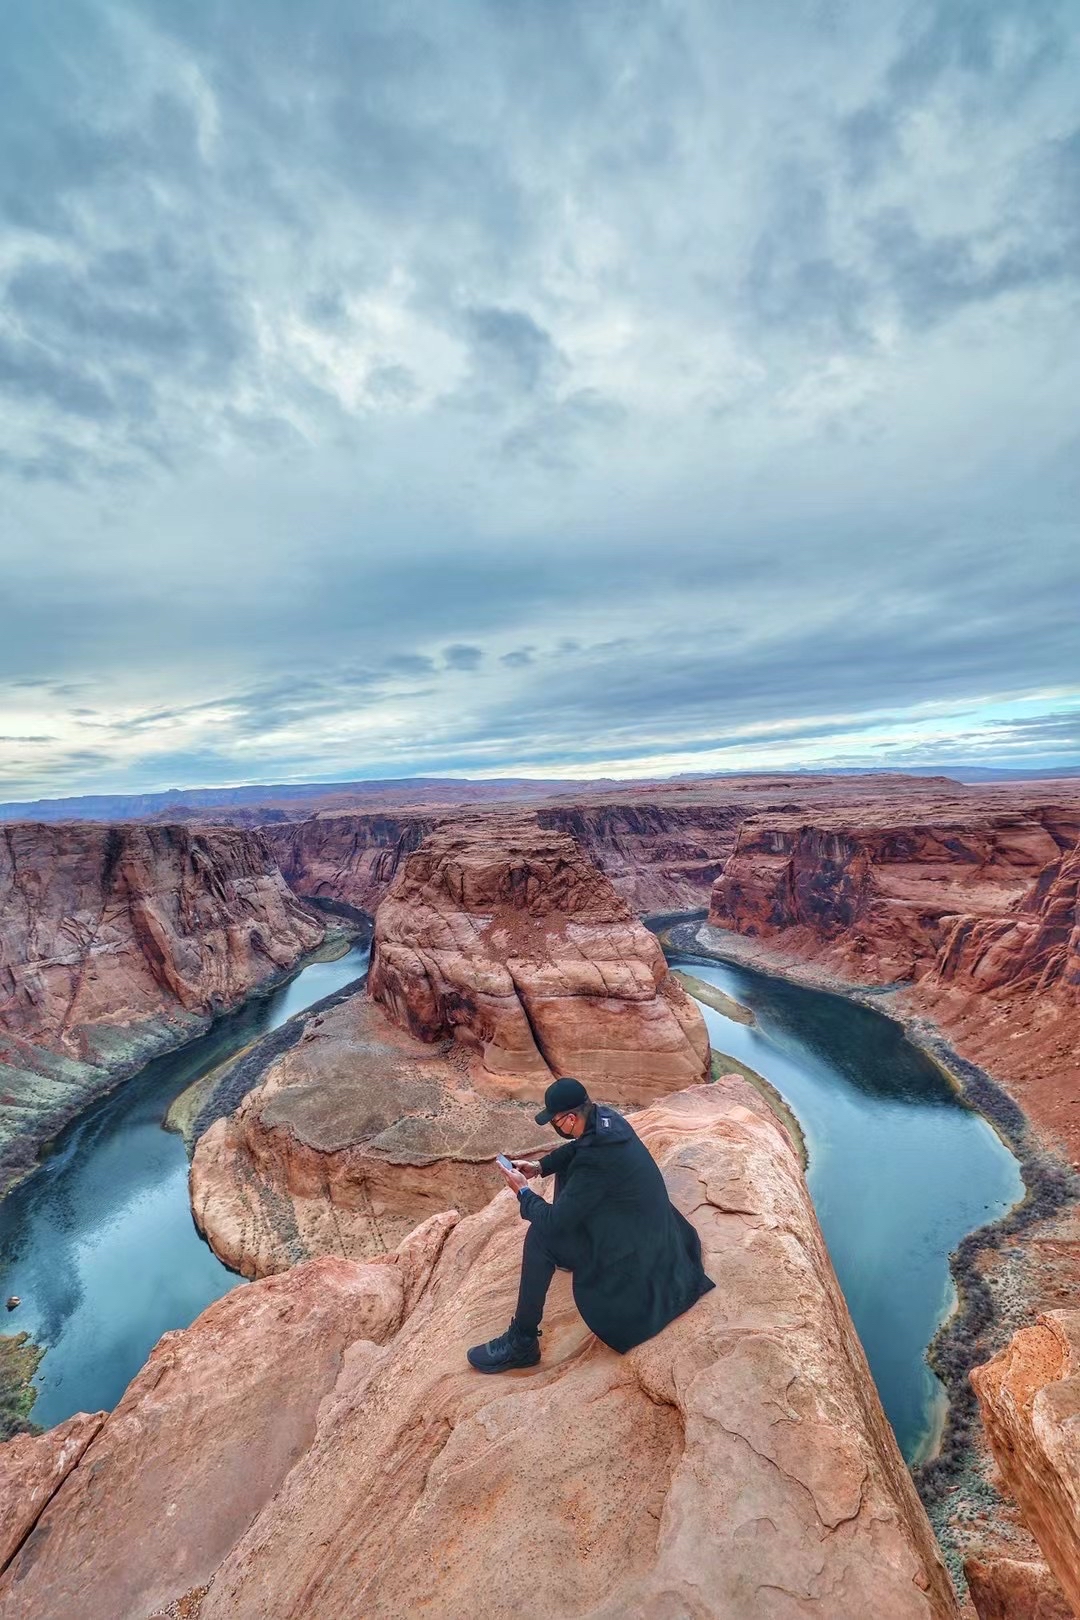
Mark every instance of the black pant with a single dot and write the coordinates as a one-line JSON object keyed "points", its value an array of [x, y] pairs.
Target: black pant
{"points": [[538, 1266]]}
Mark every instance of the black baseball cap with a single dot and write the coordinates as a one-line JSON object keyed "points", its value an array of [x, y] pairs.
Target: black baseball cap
{"points": [[561, 1097]]}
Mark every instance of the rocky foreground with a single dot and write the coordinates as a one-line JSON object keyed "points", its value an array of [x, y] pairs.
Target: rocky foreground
{"points": [[118, 942], [502, 958], [324, 1449]]}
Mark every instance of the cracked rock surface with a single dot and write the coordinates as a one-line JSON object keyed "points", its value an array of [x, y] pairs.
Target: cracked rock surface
{"points": [[1030, 1400], [324, 1449]]}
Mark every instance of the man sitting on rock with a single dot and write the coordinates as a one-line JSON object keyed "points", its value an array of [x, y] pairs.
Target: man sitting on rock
{"points": [[636, 1262]]}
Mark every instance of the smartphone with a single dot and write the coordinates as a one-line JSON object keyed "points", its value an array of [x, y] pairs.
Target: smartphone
{"points": [[503, 1162]]}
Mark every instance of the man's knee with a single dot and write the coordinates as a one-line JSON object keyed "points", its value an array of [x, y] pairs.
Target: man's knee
{"points": [[538, 1248]]}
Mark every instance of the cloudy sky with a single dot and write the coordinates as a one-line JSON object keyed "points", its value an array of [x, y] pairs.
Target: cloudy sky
{"points": [[536, 387]]}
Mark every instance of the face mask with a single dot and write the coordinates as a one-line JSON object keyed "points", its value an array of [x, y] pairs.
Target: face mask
{"points": [[567, 1136]]}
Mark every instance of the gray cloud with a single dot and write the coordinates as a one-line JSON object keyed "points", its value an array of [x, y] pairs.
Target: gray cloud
{"points": [[691, 381], [462, 656]]}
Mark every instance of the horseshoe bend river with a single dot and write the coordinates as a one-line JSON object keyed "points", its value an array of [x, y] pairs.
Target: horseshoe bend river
{"points": [[100, 1244]]}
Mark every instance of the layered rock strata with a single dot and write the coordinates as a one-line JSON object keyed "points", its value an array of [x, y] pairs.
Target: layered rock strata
{"points": [[660, 856], [870, 894], [505, 937], [1007, 988], [349, 856], [973, 917], [662, 844], [1030, 1401], [501, 959], [119, 941], [325, 1449]]}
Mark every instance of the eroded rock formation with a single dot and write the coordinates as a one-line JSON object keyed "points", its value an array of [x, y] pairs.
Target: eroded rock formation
{"points": [[1030, 1401], [501, 959], [351, 1138], [325, 1450], [872, 892], [118, 941], [660, 855], [349, 856], [504, 936], [1004, 1588], [973, 909]]}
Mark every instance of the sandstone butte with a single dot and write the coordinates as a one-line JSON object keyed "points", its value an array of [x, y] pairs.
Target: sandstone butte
{"points": [[324, 1449], [501, 959], [1029, 1395], [117, 942], [506, 937]]}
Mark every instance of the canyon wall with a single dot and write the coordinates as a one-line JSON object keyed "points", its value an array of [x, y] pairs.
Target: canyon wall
{"points": [[349, 857], [971, 912], [117, 942], [869, 893], [659, 856], [1029, 1396], [325, 1449], [501, 958]]}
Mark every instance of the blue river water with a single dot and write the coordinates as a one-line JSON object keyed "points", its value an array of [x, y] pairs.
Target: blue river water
{"points": [[99, 1242], [101, 1247], [900, 1168]]}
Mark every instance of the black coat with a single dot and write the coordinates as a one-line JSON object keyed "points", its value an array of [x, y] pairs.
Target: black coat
{"points": [[636, 1261]]}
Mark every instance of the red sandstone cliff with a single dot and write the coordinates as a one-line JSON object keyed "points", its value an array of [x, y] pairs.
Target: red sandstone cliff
{"points": [[659, 856], [972, 908], [324, 1449], [349, 857], [501, 958], [116, 942], [874, 892], [507, 938], [1030, 1400], [661, 844]]}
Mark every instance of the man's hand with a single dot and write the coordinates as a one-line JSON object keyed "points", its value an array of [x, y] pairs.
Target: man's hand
{"points": [[529, 1168], [513, 1178]]}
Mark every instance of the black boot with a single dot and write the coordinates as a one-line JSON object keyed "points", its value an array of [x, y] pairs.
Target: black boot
{"points": [[511, 1349]]}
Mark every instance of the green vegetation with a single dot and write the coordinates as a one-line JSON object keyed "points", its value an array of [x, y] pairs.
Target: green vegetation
{"points": [[714, 998], [19, 1358], [723, 1064]]}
